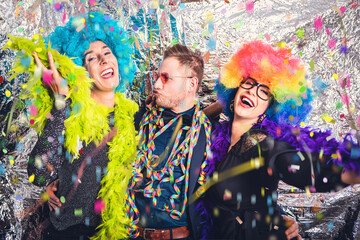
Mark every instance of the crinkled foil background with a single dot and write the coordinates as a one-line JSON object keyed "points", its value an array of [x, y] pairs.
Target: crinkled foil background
{"points": [[216, 28]]}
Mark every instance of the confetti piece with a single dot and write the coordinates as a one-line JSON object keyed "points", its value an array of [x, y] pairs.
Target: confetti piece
{"points": [[291, 118], [182, 5], [266, 35], [300, 33], [64, 17], [318, 24], [345, 99], [32, 178], [7, 93], [11, 162], [335, 76], [33, 110], [47, 77], [138, 2], [137, 44], [93, 2], [302, 124], [207, 57], [135, 28], [58, 7], [342, 9], [99, 206], [17, 11], [20, 3], [312, 65], [223, 11], [62, 199], [227, 195], [32, 121], [1, 79], [344, 49], [249, 6], [78, 212]]}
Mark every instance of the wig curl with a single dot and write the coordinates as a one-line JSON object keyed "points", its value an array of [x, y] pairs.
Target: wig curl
{"points": [[274, 67], [75, 37]]}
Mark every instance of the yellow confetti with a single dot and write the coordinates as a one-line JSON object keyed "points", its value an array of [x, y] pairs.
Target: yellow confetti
{"points": [[334, 156], [41, 30], [32, 178], [83, 20], [9, 43], [311, 134], [307, 190], [12, 162], [292, 189], [36, 37], [286, 61], [7, 93], [302, 124], [335, 76], [38, 49], [209, 16], [44, 196], [227, 44], [24, 86], [262, 192], [291, 117]]}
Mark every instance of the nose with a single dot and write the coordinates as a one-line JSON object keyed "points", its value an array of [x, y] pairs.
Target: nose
{"points": [[253, 90], [158, 83], [103, 59]]}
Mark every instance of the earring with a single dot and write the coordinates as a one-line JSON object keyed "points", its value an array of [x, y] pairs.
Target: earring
{"points": [[232, 106], [261, 118]]}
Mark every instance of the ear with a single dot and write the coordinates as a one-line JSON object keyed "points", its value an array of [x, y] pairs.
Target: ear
{"points": [[193, 84]]}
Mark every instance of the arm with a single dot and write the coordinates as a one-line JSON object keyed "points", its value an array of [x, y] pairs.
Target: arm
{"points": [[302, 169], [48, 153]]}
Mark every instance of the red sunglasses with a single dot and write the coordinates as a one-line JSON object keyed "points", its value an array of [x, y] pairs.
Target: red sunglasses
{"points": [[165, 77]]}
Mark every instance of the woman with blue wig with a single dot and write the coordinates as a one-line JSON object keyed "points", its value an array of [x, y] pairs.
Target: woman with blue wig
{"points": [[266, 97], [87, 136]]}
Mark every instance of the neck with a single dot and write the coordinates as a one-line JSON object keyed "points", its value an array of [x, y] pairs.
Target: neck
{"points": [[104, 98], [239, 127], [183, 107]]}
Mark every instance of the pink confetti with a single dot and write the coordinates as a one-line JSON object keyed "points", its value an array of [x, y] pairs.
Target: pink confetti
{"points": [[47, 77], [138, 2], [341, 82], [250, 6], [327, 31], [266, 35], [111, 28], [332, 43], [348, 82], [342, 9], [318, 24], [223, 11], [92, 2], [99, 206], [64, 17], [33, 110], [345, 99], [358, 123]]}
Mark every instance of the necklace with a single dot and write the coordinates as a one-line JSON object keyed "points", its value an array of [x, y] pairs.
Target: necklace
{"points": [[151, 127]]}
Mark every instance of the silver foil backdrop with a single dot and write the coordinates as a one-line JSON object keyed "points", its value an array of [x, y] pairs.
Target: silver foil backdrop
{"points": [[324, 33]]}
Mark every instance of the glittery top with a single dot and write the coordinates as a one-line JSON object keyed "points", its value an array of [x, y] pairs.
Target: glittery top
{"points": [[49, 161]]}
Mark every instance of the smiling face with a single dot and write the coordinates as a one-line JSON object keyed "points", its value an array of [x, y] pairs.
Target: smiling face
{"points": [[175, 87], [102, 66], [248, 105]]}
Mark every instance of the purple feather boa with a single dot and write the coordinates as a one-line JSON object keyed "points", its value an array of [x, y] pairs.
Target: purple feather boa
{"points": [[302, 139]]}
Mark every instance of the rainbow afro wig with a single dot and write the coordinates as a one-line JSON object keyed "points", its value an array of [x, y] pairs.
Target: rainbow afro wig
{"points": [[279, 70], [75, 38]]}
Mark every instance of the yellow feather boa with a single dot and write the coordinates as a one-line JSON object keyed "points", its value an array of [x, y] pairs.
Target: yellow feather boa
{"points": [[87, 122]]}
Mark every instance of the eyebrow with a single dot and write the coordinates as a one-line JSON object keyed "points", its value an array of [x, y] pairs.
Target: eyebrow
{"points": [[91, 51]]}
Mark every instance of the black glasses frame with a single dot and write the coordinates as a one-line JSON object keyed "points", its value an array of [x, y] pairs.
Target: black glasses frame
{"points": [[258, 85]]}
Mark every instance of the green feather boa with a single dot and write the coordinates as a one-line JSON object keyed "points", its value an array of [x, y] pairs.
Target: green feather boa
{"points": [[87, 122]]}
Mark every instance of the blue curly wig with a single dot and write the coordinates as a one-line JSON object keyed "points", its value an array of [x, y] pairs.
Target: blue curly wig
{"points": [[75, 38], [278, 69]]}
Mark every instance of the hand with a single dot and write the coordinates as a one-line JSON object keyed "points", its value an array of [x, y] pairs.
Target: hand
{"points": [[53, 201], [292, 230], [51, 78], [150, 101], [350, 177]]}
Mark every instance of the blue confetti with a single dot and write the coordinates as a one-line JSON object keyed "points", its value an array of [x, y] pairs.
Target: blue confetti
{"points": [[2, 170], [211, 44]]}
